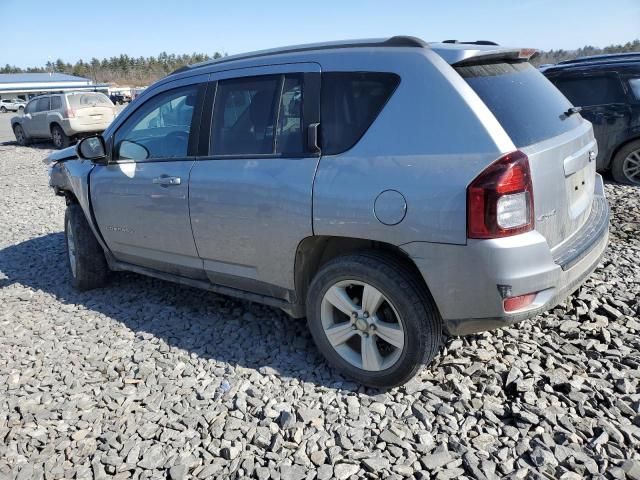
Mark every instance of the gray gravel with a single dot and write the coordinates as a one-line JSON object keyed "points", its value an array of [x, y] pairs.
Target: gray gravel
{"points": [[146, 379]]}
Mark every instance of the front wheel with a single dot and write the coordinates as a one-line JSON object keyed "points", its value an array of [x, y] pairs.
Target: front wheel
{"points": [[21, 137], [372, 319], [60, 139], [625, 167], [87, 264], [3, 109]]}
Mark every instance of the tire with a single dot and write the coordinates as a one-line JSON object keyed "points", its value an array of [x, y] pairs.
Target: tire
{"points": [[625, 167], [405, 298], [59, 138], [86, 261], [3, 109], [21, 137]]}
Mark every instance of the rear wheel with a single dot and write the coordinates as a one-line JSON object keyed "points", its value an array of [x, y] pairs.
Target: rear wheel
{"points": [[625, 167], [60, 139], [21, 137], [87, 264], [372, 319]]}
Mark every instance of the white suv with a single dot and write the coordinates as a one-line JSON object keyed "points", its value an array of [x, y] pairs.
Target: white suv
{"points": [[63, 117], [12, 105]]}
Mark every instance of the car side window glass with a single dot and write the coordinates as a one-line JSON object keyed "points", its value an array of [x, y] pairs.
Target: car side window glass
{"points": [[160, 128], [289, 132], [244, 117], [43, 104], [591, 90], [30, 108], [350, 102], [634, 84], [56, 103]]}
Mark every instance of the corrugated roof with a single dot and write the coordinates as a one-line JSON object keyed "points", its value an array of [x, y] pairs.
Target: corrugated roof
{"points": [[39, 77]]}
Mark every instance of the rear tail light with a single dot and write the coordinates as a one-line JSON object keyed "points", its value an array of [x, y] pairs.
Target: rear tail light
{"points": [[71, 113], [500, 199]]}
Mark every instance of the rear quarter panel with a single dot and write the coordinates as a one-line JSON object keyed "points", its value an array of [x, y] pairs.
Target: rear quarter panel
{"points": [[430, 140]]}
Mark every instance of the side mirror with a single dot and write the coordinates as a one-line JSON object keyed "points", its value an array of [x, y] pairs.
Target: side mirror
{"points": [[92, 148]]}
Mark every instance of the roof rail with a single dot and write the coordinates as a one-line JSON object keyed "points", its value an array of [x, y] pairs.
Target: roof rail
{"points": [[606, 57], [477, 42], [397, 41]]}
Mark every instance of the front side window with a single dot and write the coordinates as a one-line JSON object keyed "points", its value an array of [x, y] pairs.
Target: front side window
{"points": [[591, 90], [350, 102], [634, 85], [160, 128], [31, 106]]}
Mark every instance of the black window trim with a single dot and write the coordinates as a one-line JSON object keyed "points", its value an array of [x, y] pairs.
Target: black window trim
{"points": [[624, 87], [382, 107], [310, 114], [194, 132]]}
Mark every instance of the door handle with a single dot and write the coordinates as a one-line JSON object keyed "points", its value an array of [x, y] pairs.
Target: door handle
{"points": [[166, 181]]}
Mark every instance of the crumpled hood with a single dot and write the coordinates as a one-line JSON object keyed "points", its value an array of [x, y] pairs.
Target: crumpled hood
{"points": [[68, 153]]}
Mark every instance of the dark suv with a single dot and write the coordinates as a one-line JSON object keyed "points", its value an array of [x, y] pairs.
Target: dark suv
{"points": [[607, 88]]}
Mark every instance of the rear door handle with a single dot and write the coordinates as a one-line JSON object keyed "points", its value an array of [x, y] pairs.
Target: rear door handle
{"points": [[166, 181]]}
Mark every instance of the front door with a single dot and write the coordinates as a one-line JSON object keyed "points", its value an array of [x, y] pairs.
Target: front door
{"points": [[250, 198], [140, 198], [36, 124]]}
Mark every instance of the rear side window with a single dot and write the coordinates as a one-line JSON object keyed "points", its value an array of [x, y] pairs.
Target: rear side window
{"points": [[591, 90], [350, 102], [258, 116], [525, 103], [56, 103], [84, 100]]}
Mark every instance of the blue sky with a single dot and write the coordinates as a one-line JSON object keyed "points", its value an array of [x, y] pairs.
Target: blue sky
{"points": [[73, 29]]}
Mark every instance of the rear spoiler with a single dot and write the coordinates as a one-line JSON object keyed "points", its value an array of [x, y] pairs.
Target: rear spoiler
{"points": [[459, 54]]}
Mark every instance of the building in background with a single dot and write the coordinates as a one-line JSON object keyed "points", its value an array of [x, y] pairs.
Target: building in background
{"points": [[28, 85]]}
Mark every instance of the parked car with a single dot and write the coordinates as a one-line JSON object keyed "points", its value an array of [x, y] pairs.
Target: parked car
{"points": [[12, 105], [606, 88], [63, 117], [387, 190], [118, 98]]}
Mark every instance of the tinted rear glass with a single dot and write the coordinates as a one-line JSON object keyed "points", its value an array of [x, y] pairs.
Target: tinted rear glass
{"points": [[350, 103], [83, 100], [591, 90], [526, 104]]}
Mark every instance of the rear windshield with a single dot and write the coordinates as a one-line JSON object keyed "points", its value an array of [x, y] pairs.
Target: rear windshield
{"points": [[526, 104], [82, 100]]}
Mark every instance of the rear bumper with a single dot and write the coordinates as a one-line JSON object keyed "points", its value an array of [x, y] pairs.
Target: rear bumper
{"points": [[469, 282], [73, 126]]}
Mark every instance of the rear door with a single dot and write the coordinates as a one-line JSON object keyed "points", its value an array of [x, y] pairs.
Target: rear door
{"points": [[604, 104], [250, 195], [141, 198], [561, 149]]}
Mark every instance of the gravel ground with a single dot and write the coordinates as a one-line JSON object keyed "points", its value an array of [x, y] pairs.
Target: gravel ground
{"points": [[146, 379]]}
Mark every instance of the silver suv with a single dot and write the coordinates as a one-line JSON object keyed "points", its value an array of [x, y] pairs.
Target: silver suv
{"points": [[63, 117], [388, 190]]}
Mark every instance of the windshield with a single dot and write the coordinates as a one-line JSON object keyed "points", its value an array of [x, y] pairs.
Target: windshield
{"points": [[526, 104]]}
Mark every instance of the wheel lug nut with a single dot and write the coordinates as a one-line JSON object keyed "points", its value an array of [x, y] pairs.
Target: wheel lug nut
{"points": [[372, 327], [365, 314], [354, 315], [354, 327]]}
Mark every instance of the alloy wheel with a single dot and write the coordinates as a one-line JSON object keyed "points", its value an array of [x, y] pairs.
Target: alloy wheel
{"points": [[631, 167], [57, 138], [362, 325]]}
